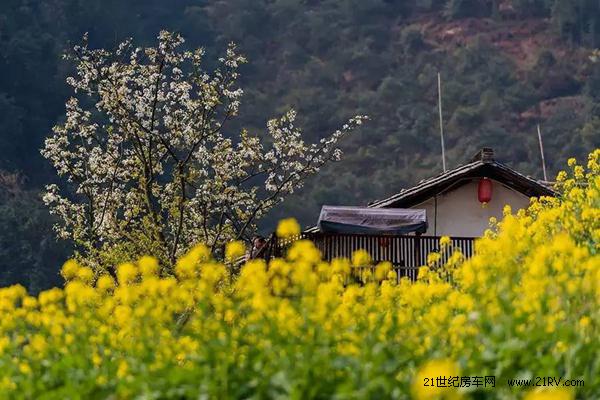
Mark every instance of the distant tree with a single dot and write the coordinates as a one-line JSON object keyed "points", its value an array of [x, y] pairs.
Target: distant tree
{"points": [[495, 10], [532, 8], [147, 149], [11, 127], [412, 41], [564, 15], [29, 253], [467, 8], [429, 5]]}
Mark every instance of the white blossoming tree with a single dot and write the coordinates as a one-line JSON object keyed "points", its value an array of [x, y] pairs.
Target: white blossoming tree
{"points": [[150, 164]]}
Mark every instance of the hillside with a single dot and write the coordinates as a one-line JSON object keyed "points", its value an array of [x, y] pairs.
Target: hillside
{"points": [[506, 66], [500, 79]]}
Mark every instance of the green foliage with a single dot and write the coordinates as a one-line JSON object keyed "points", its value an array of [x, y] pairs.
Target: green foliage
{"points": [[467, 8], [533, 8], [330, 59], [29, 252]]}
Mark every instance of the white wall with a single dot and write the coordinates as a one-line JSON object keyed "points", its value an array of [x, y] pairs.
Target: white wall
{"points": [[459, 212]]}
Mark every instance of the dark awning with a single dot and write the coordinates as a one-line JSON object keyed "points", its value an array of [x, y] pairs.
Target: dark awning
{"points": [[342, 219]]}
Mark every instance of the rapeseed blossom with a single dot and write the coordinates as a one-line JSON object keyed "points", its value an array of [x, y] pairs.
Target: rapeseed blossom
{"points": [[361, 258], [526, 304], [148, 266], [424, 386], [550, 394], [288, 227], [234, 250]]}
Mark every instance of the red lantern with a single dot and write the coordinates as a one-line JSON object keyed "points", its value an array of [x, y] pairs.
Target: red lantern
{"points": [[484, 191]]}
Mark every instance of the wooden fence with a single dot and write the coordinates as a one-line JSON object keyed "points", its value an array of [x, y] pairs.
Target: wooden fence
{"points": [[406, 253]]}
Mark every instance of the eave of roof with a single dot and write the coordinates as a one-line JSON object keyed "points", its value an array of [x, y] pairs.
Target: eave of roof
{"points": [[476, 169]]}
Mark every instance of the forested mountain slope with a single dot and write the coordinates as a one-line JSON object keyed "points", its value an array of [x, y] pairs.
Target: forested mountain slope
{"points": [[506, 66]]}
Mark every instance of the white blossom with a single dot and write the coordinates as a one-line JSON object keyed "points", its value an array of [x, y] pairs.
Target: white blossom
{"points": [[147, 160]]}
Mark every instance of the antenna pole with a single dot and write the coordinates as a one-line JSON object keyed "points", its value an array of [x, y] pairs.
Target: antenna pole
{"points": [[441, 121], [539, 132]]}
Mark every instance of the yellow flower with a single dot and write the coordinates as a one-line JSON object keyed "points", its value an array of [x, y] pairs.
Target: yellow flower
{"points": [[148, 266], [424, 389], [69, 339], [445, 240], [361, 258], [584, 322], [304, 250], [85, 274], [229, 316], [288, 227], [433, 258], [25, 368], [96, 359], [382, 270], [7, 384], [234, 250], [105, 282], [30, 302], [50, 296], [123, 369], [4, 342], [56, 330], [38, 343], [560, 347], [534, 274], [423, 272], [186, 268], [549, 394], [126, 273], [69, 270], [571, 162], [340, 266], [199, 253]]}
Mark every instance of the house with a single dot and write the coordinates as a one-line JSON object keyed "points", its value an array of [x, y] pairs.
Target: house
{"points": [[452, 202], [406, 226]]}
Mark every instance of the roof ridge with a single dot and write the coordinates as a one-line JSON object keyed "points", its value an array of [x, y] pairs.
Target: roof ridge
{"points": [[423, 182], [464, 169]]}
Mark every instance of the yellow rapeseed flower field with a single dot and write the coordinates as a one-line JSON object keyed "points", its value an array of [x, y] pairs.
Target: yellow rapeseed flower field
{"points": [[525, 306]]}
